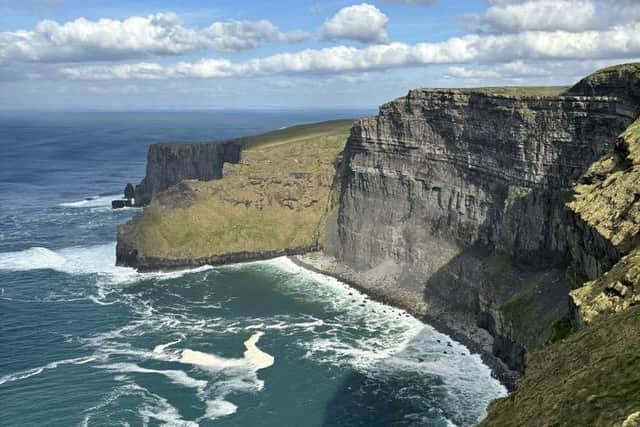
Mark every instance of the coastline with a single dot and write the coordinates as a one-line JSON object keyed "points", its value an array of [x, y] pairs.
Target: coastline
{"points": [[475, 339], [322, 264]]}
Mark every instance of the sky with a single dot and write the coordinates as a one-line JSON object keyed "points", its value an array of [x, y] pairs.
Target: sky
{"points": [[291, 54]]}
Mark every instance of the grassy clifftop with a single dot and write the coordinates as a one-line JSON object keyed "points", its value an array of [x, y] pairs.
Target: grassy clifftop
{"points": [[274, 199]]}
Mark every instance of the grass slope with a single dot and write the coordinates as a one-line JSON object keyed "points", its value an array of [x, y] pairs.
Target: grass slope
{"points": [[274, 199], [592, 378]]}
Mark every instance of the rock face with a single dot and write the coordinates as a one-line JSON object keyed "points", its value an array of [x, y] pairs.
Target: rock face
{"points": [[458, 195], [621, 81], [168, 164]]}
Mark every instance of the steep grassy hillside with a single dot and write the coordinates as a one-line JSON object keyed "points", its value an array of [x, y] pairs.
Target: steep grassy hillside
{"points": [[274, 199], [592, 378], [589, 379], [609, 200]]}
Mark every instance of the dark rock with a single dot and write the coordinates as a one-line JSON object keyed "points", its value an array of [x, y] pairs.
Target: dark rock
{"points": [[129, 192], [464, 196], [121, 203], [168, 164]]}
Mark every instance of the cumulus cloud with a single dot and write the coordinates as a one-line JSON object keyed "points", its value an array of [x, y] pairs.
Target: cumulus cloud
{"points": [[510, 70], [134, 37], [535, 15], [618, 42], [363, 22]]}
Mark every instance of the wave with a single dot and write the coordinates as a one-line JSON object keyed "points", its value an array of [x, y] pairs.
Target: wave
{"points": [[177, 377], [151, 407], [98, 259], [92, 202], [17, 376]]}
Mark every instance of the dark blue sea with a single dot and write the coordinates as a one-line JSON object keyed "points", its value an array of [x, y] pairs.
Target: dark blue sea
{"points": [[83, 342]]}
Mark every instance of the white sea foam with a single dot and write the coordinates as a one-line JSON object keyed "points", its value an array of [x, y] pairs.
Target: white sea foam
{"points": [[381, 340], [17, 376], [218, 408], [256, 357], [98, 259], [177, 377], [253, 357], [152, 407], [92, 202], [162, 347]]}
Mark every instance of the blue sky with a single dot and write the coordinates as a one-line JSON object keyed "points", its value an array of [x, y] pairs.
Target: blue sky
{"points": [[72, 54]]}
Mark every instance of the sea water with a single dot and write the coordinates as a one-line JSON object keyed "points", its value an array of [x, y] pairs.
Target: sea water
{"points": [[83, 342]]}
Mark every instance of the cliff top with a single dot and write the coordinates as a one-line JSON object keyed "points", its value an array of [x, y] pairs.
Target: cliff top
{"points": [[503, 91], [619, 81], [288, 134], [273, 200]]}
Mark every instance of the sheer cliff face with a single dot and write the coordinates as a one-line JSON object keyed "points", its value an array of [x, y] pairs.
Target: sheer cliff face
{"points": [[452, 169], [168, 164], [459, 194]]}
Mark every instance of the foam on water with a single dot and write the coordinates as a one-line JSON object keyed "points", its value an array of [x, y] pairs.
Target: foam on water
{"points": [[17, 376], [92, 202], [359, 333], [177, 377], [380, 340]]}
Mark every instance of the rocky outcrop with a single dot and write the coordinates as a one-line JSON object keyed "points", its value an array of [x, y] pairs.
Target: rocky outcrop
{"points": [[620, 81], [459, 196], [168, 164]]}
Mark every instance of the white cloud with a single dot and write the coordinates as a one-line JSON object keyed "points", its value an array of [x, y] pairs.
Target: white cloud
{"points": [[619, 42], [233, 36], [536, 15], [135, 37], [511, 70], [363, 22]]}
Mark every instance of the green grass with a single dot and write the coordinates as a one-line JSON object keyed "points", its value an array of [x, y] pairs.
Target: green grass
{"points": [[591, 378], [276, 198], [517, 91], [293, 133]]}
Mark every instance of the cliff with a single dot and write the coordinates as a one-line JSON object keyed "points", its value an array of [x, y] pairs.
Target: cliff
{"points": [[270, 203], [592, 377], [464, 195], [508, 217], [169, 164]]}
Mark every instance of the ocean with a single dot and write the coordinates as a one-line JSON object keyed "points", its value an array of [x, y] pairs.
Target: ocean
{"points": [[85, 343]]}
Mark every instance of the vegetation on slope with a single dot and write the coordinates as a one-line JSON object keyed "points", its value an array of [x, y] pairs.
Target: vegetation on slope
{"points": [[589, 379], [608, 199], [274, 199], [592, 377]]}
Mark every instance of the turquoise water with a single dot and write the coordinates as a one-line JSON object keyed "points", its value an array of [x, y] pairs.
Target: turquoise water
{"points": [[86, 343]]}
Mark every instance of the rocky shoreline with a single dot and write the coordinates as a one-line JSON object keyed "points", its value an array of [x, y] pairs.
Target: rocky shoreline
{"points": [[474, 338]]}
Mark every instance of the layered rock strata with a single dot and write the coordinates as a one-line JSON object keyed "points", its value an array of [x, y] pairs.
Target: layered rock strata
{"points": [[169, 164], [457, 197]]}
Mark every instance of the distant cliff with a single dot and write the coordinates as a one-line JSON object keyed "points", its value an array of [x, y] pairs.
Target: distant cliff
{"points": [[169, 164]]}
